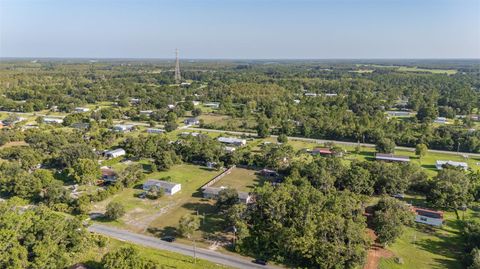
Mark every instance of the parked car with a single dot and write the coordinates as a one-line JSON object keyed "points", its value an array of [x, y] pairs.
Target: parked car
{"points": [[260, 261], [169, 238]]}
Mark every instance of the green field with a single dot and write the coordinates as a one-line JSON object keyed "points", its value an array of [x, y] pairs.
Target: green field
{"points": [[143, 214], [240, 179], [433, 71]]}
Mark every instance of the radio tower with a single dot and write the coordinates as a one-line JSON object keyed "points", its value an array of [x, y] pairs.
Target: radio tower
{"points": [[178, 78]]}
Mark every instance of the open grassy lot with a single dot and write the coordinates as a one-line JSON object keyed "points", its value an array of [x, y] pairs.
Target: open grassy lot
{"points": [[166, 211], [240, 179], [424, 247], [433, 71], [163, 258]]}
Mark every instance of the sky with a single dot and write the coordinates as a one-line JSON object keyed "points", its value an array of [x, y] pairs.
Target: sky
{"points": [[240, 29]]}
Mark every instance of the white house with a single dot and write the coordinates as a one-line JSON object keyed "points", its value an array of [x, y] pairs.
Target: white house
{"points": [[441, 120], [82, 109], [122, 128], [212, 105], [155, 131], [440, 164], [115, 153], [191, 121], [171, 106], [331, 94], [145, 112], [427, 216], [169, 188], [212, 193], [53, 120], [232, 141], [391, 157]]}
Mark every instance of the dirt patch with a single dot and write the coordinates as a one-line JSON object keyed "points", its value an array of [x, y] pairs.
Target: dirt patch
{"points": [[375, 253]]}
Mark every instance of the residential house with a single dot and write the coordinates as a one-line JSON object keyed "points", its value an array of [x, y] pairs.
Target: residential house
{"points": [[115, 153], [441, 164], [232, 141], [191, 121], [213, 192], [123, 128], [53, 120], [169, 188], [81, 125], [391, 158], [145, 112], [213, 105], [82, 109], [171, 106], [441, 120], [429, 217], [155, 131]]}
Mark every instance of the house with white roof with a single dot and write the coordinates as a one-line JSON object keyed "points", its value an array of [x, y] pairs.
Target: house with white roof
{"points": [[53, 120], [213, 192], [123, 128], [232, 141], [155, 131], [82, 109], [169, 188], [441, 120], [115, 153], [441, 164]]}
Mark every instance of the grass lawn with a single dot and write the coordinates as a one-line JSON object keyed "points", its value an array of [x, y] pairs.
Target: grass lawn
{"points": [[163, 258], [240, 179], [162, 215]]}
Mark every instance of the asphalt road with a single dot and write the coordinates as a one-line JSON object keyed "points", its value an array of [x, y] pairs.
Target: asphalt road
{"points": [[154, 242], [321, 141]]}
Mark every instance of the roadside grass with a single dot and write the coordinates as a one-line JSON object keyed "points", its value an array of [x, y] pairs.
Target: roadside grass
{"points": [[162, 258], [240, 179]]}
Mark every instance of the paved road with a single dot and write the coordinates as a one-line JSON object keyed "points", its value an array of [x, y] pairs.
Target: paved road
{"points": [[154, 242], [321, 141]]}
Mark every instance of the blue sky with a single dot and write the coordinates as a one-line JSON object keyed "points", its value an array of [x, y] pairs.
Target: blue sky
{"points": [[240, 28]]}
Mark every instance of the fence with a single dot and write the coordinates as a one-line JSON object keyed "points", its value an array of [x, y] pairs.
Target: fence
{"points": [[217, 178]]}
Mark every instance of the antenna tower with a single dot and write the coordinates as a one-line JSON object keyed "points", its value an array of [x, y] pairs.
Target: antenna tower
{"points": [[178, 78]]}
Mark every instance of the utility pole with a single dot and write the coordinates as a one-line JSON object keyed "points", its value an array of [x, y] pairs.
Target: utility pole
{"points": [[178, 78], [194, 251]]}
